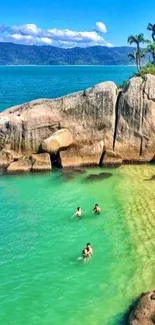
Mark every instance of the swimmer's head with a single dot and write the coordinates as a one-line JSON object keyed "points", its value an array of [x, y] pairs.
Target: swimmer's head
{"points": [[78, 208], [88, 244], [96, 205]]}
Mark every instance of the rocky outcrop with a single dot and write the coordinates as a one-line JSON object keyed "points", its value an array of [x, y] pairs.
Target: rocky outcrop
{"points": [[60, 140], [86, 117], [41, 162], [98, 126], [135, 129], [144, 311], [21, 165]]}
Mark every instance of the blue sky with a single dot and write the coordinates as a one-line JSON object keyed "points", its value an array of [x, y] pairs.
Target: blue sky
{"points": [[69, 23]]}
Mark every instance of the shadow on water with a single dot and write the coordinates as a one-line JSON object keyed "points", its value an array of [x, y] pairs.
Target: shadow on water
{"points": [[120, 319], [123, 318]]}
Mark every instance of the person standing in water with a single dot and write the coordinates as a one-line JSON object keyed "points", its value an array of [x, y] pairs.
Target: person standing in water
{"points": [[97, 209], [78, 213]]}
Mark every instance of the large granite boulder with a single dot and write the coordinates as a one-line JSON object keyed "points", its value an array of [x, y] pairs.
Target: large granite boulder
{"points": [[88, 115], [41, 162], [135, 120], [21, 165], [87, 155], [60, 140], [144, 311]]}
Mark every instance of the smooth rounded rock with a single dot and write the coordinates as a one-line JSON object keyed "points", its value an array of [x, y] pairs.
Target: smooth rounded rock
{"points": [[60, 140]]}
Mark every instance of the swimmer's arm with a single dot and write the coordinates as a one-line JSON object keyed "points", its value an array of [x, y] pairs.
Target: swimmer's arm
{"points": [[74, 215]]}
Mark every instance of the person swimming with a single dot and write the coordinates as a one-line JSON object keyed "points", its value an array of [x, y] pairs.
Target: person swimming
{"points": [[89, 249], [78, 213], [85, 253], [97, 209]]}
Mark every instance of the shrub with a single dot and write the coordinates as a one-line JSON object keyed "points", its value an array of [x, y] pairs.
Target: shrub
{"points": [[149, 68], [123, 85]]}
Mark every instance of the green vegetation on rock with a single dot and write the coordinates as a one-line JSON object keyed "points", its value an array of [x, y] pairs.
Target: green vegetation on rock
{"points": [[149, 68]]}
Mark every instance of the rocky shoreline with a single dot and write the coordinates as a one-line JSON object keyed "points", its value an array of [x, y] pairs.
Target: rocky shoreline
{"points": [[101, 126], [143, 312]]}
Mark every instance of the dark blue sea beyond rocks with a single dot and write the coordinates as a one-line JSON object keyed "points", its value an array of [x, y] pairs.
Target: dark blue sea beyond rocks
{"points": [[19, 84]]}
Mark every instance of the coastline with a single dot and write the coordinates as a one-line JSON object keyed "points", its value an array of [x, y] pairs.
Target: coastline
{"points": [[69, 65]]}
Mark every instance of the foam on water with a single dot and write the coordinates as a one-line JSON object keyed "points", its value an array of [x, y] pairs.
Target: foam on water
{"points": [[42, 282]]}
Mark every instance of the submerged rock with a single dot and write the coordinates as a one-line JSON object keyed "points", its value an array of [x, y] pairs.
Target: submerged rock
{"points": [[96, 177], [144, 311], [70, 173], [152, 178]]}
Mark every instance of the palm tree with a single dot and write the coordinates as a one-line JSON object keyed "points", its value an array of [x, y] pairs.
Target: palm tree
{"points": [[135, 56], [151, 49], [138, 39], [151, 27]]}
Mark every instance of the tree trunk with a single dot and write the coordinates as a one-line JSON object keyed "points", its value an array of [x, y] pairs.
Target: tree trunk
{"points": [[153, 36], [137, 64], [138, 57], [153, 54]]}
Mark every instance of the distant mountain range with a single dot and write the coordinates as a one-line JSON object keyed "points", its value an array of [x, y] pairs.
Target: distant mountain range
{"points": [[17, 54]]}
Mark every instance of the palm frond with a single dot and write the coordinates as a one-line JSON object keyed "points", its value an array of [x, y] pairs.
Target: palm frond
{"points": [[150, 26]]}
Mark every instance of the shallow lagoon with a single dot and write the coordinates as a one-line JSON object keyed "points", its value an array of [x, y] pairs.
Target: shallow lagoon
{"points": [[42, 282]]}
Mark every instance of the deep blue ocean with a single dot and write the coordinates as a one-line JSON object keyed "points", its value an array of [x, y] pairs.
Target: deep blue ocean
{"points": [[20, 84]]}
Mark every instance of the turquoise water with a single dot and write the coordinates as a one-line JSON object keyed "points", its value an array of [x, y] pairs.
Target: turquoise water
{"points": [[42, 282], [22, 84]]}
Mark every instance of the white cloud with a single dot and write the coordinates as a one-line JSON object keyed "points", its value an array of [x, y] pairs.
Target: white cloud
{"points": [[28, 29], [66, 38], [44, 40], [21, 37], [74, 36], [100, 27]]}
